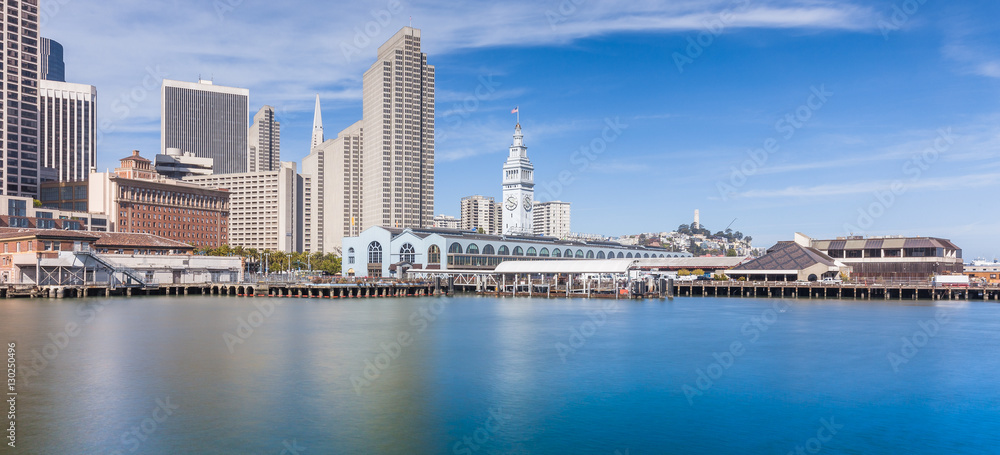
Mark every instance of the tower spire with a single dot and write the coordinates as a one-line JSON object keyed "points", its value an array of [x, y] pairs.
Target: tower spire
{"points": [[317, 136]]}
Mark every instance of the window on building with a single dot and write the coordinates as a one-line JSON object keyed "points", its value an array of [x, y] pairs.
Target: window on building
{"points": [[472, 249], [455, 248], [600, 255], [628, 256], [518, 251], [590, 254], [532, 252], [503, 251], [556, 253], [374, 253], [579, 254], [488, 249], [407, 253], [434, 255], [544, 253]]}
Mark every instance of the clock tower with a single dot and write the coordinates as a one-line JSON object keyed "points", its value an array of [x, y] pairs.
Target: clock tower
{"points": [[518, 188]]}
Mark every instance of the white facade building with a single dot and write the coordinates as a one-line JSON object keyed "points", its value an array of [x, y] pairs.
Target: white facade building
{"points": [[552, 219], [447, 222], [68, 124], [518, 189], [381, 252], [175, 164], [336, 169], [264, 207], [479, 212]]}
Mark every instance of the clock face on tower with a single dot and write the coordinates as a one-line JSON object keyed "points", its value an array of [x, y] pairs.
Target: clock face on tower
{"points": [[511, 203], [527, 203]]}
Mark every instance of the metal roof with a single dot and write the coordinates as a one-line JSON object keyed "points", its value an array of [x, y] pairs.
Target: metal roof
{"points": [[567, 266], [788, 256]]}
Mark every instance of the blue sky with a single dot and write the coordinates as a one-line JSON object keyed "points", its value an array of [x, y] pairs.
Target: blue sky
{"points": [[894, 105]]}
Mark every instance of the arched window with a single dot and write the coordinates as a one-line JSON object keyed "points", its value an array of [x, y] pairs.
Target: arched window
{"points": [[579, 254], [488, 249], [544, 253], [455, 249], [433, 255], [645, 256], [503, 251], [472, 249], [620, 255], [374, 253], [556, 253], [590, 254], [350, 250], [350, 255], [407, 253], [532, 251], [628, 256], [568, 253], [518, 251], [600, 255]]}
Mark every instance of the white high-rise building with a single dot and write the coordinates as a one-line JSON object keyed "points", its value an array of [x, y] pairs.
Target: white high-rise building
{"points": [[207, 120], [447, 222], [264, 138], [317, 135], [518, 189], [480, 212], [552, 219], [68, 122], [264, 207], [19, 121], [336, 168], [398, 122]]}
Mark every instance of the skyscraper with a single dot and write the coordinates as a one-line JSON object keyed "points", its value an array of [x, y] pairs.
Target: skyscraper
{"points": [[551, 219], [264, 137], [207, 120], [480, 212], [53, 68], [518, 188], [336, 167], [68, 126], [20, 120], [398, 123], [317, 136]]}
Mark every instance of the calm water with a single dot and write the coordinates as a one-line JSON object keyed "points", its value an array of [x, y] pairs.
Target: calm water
{"points": [[487, 376]]}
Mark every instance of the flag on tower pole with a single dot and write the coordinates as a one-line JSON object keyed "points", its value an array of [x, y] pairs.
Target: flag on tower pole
{"points": [[514, 111]]}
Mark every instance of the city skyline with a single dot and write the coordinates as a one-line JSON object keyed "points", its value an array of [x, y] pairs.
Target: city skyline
{"points": [[690, 101]]}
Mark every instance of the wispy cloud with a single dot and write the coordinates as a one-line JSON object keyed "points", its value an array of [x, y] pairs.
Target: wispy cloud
{"points": [[841, 189]]}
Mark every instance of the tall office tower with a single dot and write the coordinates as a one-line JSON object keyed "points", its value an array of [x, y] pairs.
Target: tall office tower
{"points": [[264, 137], [207, 120], [551, 219], [399, 135], [20, 118], [317, 137], [68, 124], [480, 212], [336, 167], [518, 188], [53, 68]]}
